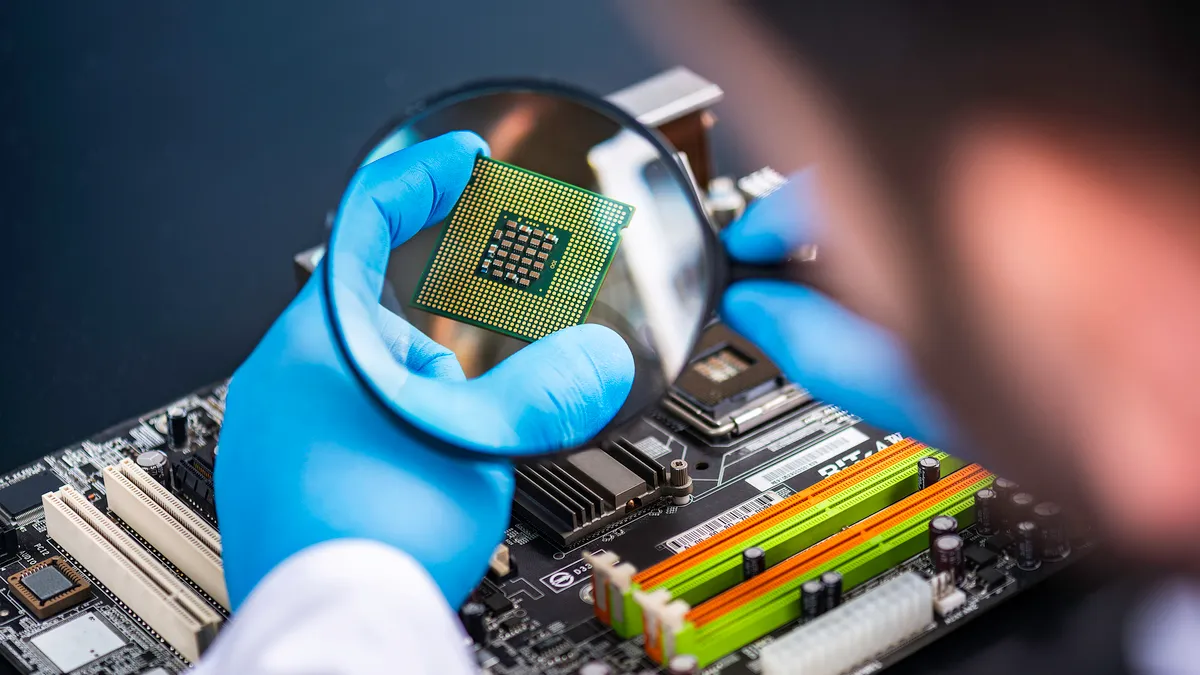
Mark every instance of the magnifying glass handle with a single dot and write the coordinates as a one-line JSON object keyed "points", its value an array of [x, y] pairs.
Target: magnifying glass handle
{"points": [[800, 267]]}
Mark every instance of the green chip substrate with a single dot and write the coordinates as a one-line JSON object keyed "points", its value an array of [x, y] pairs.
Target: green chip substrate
{"points": [[521, 254]]}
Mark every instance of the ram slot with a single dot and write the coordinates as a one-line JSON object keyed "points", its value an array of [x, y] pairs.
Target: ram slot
{"points": [[170, 526], [131, 573], [862, 629], [801, 520], [770, 600]]}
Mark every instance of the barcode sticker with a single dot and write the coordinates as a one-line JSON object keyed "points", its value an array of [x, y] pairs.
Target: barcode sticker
{"points": [[722, 522], [807, 459]]}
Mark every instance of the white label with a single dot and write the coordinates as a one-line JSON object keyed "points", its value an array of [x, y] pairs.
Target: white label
{"points": [[807, 459], [722, 522], [652, 447]]}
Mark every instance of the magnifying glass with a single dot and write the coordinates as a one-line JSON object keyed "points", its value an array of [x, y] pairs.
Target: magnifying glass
{"points": [[579, 214]]}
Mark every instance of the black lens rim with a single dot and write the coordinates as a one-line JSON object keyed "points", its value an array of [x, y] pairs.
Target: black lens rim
{"points": [[717, 261]]}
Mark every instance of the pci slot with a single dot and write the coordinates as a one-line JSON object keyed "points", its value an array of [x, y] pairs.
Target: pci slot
{"points": [[801, 520], [131, 573], [170, 526], [771, 600]]}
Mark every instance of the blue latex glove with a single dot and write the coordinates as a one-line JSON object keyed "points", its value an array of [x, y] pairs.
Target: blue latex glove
{"points": [[838, 356], [306, 455]]}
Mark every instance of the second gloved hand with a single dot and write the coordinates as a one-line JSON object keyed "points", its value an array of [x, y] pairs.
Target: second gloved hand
{"points": [[838, 356], [307, 455]]}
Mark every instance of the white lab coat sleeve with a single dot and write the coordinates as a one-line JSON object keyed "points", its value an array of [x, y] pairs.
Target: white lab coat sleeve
{"points": [[344, 606]]}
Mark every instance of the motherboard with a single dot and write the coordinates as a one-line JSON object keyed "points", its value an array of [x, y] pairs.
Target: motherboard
{"points": [[728, 531], [741, 527]]}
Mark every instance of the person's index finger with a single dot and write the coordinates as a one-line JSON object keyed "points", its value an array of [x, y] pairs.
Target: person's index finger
{"points": [[392, 198], [776, 224], [417, 186]]}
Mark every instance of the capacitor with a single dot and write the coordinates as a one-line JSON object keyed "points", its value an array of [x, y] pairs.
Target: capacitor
{"points": [[595, 668], [683, 664], [155, 463], [177, 428], [1028, 534], [473, 616], [811, 599], [986, 518], [948, 556], [1056, 545], [1004, 489], [1020, 507], [929, 471], [939, 526], [754, 562], [831, 590]]}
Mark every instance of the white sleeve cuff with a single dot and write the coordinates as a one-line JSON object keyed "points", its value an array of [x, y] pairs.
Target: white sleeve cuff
{"points": [[343, 606]]}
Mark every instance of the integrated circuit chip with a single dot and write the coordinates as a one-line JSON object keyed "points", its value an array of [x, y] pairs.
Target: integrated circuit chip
{"points": [[26, 495], [48, 587], [521, 254]]}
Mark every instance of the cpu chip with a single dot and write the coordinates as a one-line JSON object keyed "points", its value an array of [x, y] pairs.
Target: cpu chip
{"points": [[521, 254]]}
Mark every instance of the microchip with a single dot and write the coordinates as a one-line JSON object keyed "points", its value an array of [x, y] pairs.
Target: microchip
{"points": [[723, 365], [999, 543], [47, 583], [978, 557], [991, 578], [521, 254], [49, 587], [497, 603], [26, 495]]}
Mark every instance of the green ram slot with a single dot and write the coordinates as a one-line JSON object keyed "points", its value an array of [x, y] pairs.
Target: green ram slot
{"points": [[781, 605], [821, 520]]}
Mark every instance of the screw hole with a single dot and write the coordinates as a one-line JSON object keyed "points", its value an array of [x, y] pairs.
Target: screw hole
{"points": [[700, 466]]}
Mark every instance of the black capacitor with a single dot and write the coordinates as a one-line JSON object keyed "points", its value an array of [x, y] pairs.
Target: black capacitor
{"points": [[948, 556], [1004, 489], [939, 526], [1056, 545], [812, 594], [754, 562], [986, 518], [1020, 507], [929, 471], [155, 463], [177, 428], [1028, 539], [473, 616], [831, 590]]}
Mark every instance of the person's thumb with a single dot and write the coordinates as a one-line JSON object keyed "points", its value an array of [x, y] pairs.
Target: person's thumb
{"points": [[561, 390], [839, 357]]}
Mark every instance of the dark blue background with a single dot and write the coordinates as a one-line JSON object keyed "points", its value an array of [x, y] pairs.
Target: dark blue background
{"points": [[162, 162]]}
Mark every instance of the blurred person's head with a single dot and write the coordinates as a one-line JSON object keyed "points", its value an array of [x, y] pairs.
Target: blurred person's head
{"points": [[1014, 189]]}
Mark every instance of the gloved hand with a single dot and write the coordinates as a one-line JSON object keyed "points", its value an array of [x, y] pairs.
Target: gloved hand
{"points": [[838, 356], [307, 455]]}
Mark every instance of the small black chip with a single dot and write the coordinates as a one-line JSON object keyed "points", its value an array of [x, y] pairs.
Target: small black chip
{"points": [[497, 603], [47, 583], [978, 557], [990, 578], [26, 495], [999, 543]]}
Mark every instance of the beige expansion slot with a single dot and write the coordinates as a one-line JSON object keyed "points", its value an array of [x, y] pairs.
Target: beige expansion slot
{"points": [[170, 526], [133, 575]]}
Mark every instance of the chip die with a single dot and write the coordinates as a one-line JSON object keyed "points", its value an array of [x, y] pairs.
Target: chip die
{"points": [[521, 254]]}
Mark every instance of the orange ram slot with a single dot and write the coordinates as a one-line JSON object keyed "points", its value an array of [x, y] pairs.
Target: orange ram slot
{"points": [[655, 575], [834, 546]]}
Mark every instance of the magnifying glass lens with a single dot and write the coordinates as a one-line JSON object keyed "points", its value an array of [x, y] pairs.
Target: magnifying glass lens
{"points": [[577, 214]]}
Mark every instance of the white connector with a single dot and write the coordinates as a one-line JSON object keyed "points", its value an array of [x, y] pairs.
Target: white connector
{"points": [[611, 580], [148, 588], [170, 526], [854, 633], [662, 620]]}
